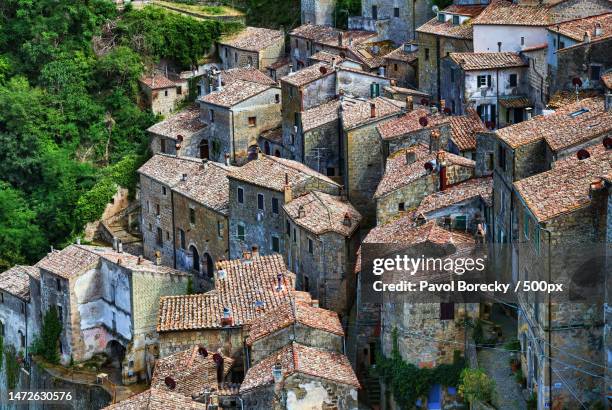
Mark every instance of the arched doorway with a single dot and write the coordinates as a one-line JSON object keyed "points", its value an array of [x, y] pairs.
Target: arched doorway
{"points": [[252, 152], [277, 153], [267, 148], [204, 150], [195, 258], [115, 352], [209, 268]]}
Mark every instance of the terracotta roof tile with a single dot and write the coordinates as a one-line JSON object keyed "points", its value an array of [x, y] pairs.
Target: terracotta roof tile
{"points": [[515, 102], [593, 150], [169, 169], [607, 79], [297, 358], [358, 112], [325, 57], [472, 188], [329, 35], [447, 28], [235, 93], [269, 172], [250, 74], [487, 61], [191, 371], [503, 12], [464, 129], [16, 280], [208, 186], [128, 261], [564, 128], [575, 29], [561, 99], [400, 54], [308, 74], [247, 288], [563, 189], [291, 312], [274, 135], [323, 213], [321, 114], [157, 81], [253, 38], [372, 54], [185, 123], [410, 123], [157, 399]]}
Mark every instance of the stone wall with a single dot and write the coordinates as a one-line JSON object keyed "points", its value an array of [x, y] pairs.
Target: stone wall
{"points": [[401, 27], [54, 294], [14, 315], [358, 83], [404, 74], [233, 57], [411, 195], [151, 196], [320, 12], [271, 54], [228, 340], [485, 154], [322, 150]]}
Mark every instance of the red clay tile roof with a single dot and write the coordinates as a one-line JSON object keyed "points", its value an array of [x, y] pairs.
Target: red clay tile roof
{"points": [[447, 28], [297, 358], [358, 112], [409, 122], [325, 57], [245, 74], [308, 74], [607, 79], [292, 312], [487, 61], [157, 81], [464, 129], [561, 99], [503, 12], [464, 10], [472, 188], [69, 262], [563, 128], [372, 54], [269, 172], [593, 150], [16, 280], [253, 38], [185, 123], [169, 169], [273, 135], [235, 93], [575, 29], [157, 399], [329, 36], [247, 288], [563, 189], [399, 174], [191, 371], [321, 114], [323, 213], [535, 47], [208, 186], [514, 102], [400, 54]]}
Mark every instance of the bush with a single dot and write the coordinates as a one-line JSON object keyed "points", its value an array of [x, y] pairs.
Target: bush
{"points": [[12, 367], [513, 345], [476, 385], [46, 344]]}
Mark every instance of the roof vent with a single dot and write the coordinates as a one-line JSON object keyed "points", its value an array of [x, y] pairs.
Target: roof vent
{"points": [[301, 211], [583, 154], [184, 177], [423, 121], [598, 31], [347, 219], [170, 383], [410, 157], [259, 304]]}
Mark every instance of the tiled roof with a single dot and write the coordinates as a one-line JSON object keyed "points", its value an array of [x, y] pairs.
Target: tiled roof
{"points": [[607, 79], [270, 172], [325, 57], [562, 98], [323, 213], [308, 74], [16, 280], [292, 312], [487, 61], [535, 47], [157, 81], [249, 289], [252, 38], [514, 102], [274, 135], [297, 358], [185, 123], [208, 186], [593, 150], [372, 54], [394, 89], [410, 123], [472, 188], [234, 93], [329, 36], [575, 29], [464, 129], [129, 261], [245, 74], [400, 54], [321, 114], [503, 12], [563, 189], [191, 371], [464, 10], [169, 169], [157, 399], [358, 112], [281, 62], [447, 28], [563, 128]]}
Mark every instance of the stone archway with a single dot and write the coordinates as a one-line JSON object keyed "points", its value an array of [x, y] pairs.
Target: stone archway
{"points": [[116, 353], [208, 267], [195, 258]]}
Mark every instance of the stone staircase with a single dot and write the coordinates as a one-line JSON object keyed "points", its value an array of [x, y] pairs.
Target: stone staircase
{"points": [[131, 243], [371, 389]]}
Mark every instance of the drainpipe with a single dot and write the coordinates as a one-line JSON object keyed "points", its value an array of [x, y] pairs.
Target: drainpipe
{"points": [[549, 347], [233, 138], [173, 228], [497, 98], [438, 66]]}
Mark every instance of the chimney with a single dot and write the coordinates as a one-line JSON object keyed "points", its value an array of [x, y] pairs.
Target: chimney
{"points": [[279, 282], [139, 261], [598, 31], [226, 319], [347, 219], [499, 44], [372, 110], [115, 240], [440, 159], [301, 212], [410, 157], [184, 177], [340, 39], [255, 251], [350, 40], [288, 191], [528, 112], [333, 62], [381, 71], [78, 240], [442, 105], [227, 159], [218, 359], [587, 37], [409, 103], [219, 82], [119, 246], [119, 261], [608, 102]]}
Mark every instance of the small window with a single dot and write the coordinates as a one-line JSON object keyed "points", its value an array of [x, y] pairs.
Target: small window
{"points": [[240, 232], [182, 238], [526, 225], [288, 227], [277, 98], [179, 90], [447, 311], [522, 41], [275, 244], [219, 229], [401, 206], [441, 17], [395, 68], [396, 12], [235, 57], [294, 235], [426, 54], [167, 235], [452, 75], [60, 313], [455, 20], [374, 12], [157, 209], [23, 339], [501, 160], [275, 206], [211, 114], [165, 93], [192, 216], [162, 145], [260, 202], [490, 161], [226, 52], [250, 60], [310, 246], [58, 284], [513, 80], [159, 238], [23, 308], [331, 171], [306, 284], [484, 80], [561, 44], [164, 192], [252, 121], [240, 195], [595, 72]]}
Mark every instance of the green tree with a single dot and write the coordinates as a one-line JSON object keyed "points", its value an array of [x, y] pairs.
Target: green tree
{"points": [[47, 342], [476, 385]]}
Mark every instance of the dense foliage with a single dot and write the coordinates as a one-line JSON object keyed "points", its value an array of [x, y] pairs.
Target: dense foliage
{"points": [[476, 385], [344, 9], [71, 126], [269, 13], [46, 343]]}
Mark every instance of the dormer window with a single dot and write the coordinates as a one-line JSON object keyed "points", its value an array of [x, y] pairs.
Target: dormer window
{"points": [[455, 20], [441, 17]]}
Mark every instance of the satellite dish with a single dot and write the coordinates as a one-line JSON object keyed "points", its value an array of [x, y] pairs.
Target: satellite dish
{"points": [[577, 82], [170, 383], [435, 8], [582, 154], [423, 121]]}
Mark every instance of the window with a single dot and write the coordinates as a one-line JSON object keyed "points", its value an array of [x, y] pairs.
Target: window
{"points": [[331, 171], [179, 90], [192, 216], [401, 207], [157, 210], [275, 244], [374, 12], [167, 235], [561, 44], [240, 232], [310, 246], [240, 196], [275, 206], [513, 80], [441, 17], [182, 238], [211, 114], [490, 161], [260, 202], [235, 57], [165, 93], [277, 98], [23, 308], [162, 145], [426, 54], [58, 284], [164, 192], [60, 313], [395, 68], [452, 75], [296, 119], [23, 339], [447, 311], [250, 60], [226, 52], [455, 20], [252, 121], [306, 284], [159, 238], [501, 160], [395, 11], [219, 229], [294, 235], [595, 72], [484, 80], [288, 227]]}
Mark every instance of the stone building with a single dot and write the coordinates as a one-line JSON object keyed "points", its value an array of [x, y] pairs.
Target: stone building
{"points": [[318, 12], [392, 20], [402, 64], [258, 190], [559, 234], [299, 376], [161, 93], [320, 126], [156, 398], [322, 239], [464, 129], [185, 214], [184, 130], [363, 158], [252, 47], [494, 84], [215, 80], [236, 115], [413, 173], [20, 314], [449, 32], [107, 302]]}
